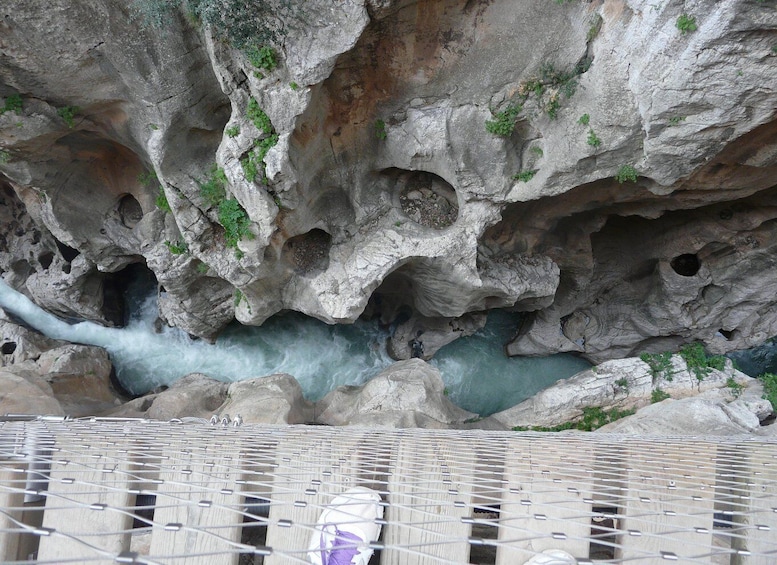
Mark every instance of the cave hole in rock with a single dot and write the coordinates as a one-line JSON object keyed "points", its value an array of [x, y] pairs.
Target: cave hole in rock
{"points": [[67, 252], [728, 334], [21, 268], [425, 198], [130, 211], [392, 302], [8, 347], [686, 265], [125, 291], [308, 252], [45, 259]]}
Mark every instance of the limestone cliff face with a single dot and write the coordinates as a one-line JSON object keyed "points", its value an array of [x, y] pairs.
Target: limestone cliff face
{"points": [[385, 194]]}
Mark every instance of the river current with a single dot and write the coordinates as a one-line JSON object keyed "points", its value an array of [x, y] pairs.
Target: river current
{"points": [[477, 374]]}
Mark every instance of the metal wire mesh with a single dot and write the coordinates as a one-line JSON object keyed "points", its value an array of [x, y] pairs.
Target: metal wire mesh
{"points": [[138, 491]]}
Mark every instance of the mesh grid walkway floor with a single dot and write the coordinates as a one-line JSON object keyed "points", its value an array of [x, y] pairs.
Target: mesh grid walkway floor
{"points": [[140, 491]]}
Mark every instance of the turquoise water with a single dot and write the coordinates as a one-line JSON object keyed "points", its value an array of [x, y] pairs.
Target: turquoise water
{"points": [[477, 375]]}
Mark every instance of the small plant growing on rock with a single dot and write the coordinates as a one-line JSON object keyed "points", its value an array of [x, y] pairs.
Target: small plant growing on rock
{"points": [[380, 129], [537, 150], [622, 383], [235, 221], [699, 363], [769, 381], [161, 201], [177, 248], [250, 166], [686, 23], [13, 103], [525, 176], [675, 120], [626, 173], [147, 178], [203, 268], [660, 364], [658, 395], [593, 139], [584, 120], [253, 163], [213, 190], [231, 214], [735, 387], [242, 24], [503, 123], [258, 117], [233, 131], [68, 113], [293, 86], [262, 57], [592, 419], [5, 156]]}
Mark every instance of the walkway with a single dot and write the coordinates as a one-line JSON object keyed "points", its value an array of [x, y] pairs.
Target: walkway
{"points": [[131, 491]]}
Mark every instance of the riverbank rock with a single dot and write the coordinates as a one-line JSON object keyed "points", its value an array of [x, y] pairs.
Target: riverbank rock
{"points": [[408, 394], [422, 337], [194, 395], [78, 376], [709, 414], [275, 399], [631, 384], [29, 396], [19, 344]]}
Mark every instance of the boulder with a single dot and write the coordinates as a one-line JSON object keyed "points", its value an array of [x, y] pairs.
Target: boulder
{"points": [[715, 412], [194, 395], [422, 337], [408, 394], [275, 399], [19, 395], [19, 344], [699, 416], [623, 384], [80, 376]]}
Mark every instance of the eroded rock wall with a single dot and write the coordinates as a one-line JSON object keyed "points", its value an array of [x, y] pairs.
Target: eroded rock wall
{"points": [[384, 194]]}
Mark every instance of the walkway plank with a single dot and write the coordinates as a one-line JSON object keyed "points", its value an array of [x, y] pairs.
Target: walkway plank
{"points": [[546, 503], [668, 505], [756, 511], [12, 482], [312, 470], [198, 505], [430, 502], [89, 500]]}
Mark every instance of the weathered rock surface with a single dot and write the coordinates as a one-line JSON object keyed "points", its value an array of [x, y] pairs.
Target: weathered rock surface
{"points": [[80, 377], [628, 384], [384, 190], [20, 344], [194, 396], [703, 415], [408, 394], [19, 395], [275, 399], [422, 337], [76, 377]]}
